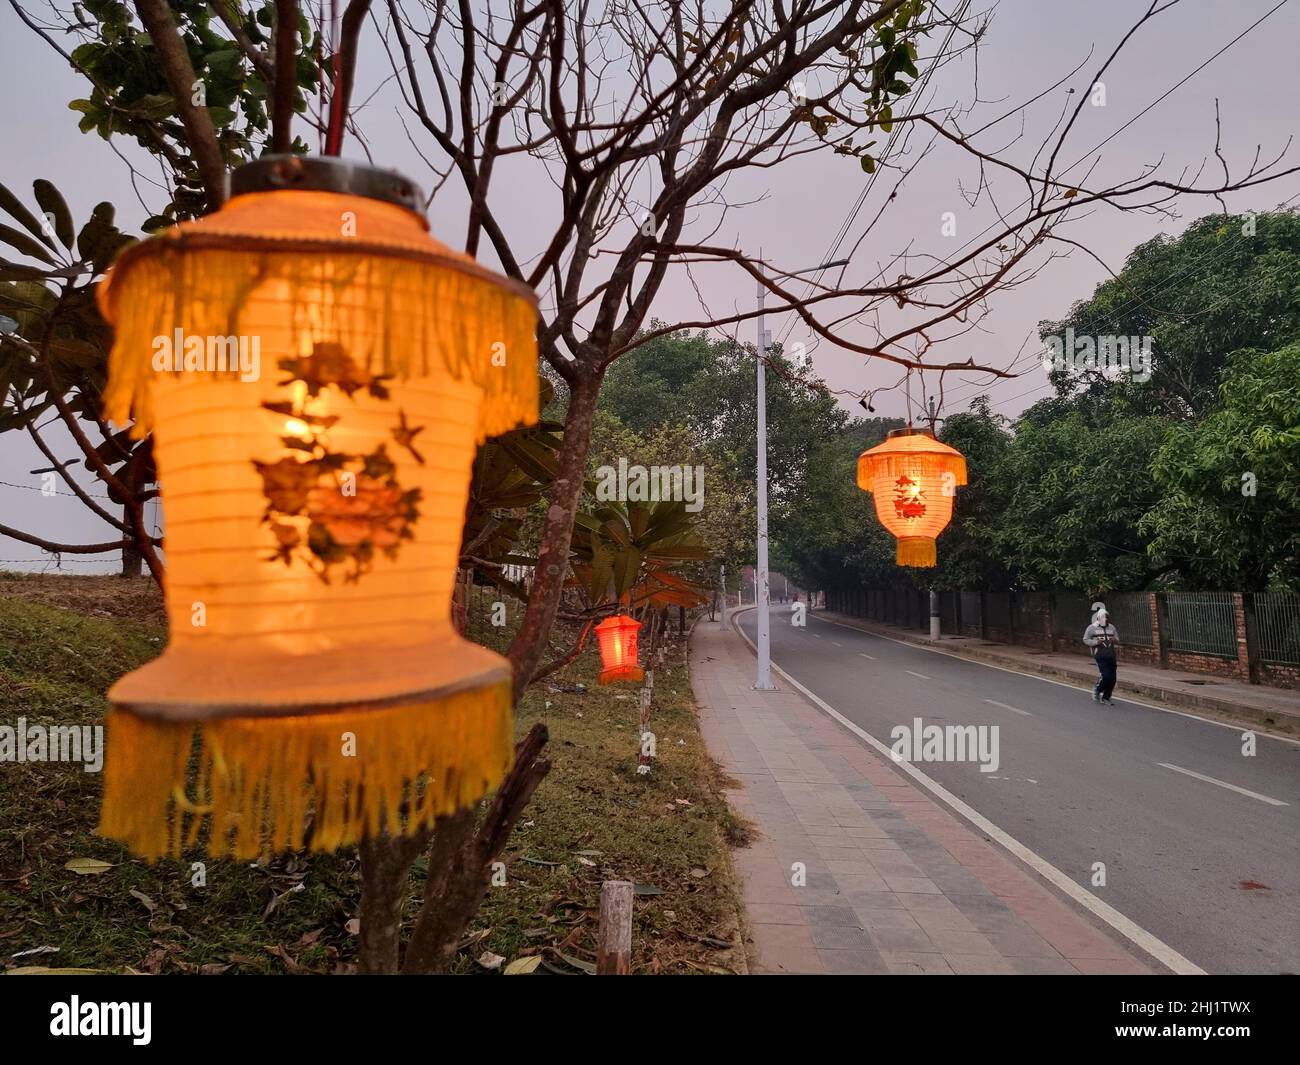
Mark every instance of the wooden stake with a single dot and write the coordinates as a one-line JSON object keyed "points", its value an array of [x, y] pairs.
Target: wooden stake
{"points": [[614, 939]]}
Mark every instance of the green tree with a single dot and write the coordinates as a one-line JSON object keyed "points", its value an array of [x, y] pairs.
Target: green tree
{"points": [[1230, 508], [968, 548], [726, 524], [828, 535], [707, 384], [1079, 482], [1228, 282]]}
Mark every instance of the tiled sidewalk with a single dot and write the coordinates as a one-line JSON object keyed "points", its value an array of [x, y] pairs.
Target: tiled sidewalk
{"points": [[894, 882]]}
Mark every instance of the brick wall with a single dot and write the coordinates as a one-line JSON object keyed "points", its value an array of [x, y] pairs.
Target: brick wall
{"points": [[1279, 676], [1212, 665]]}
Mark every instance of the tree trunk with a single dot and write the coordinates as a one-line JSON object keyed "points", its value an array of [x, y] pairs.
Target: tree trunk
{"points": [[385, 880], [132, 559], [459, 862], [557, 534]]}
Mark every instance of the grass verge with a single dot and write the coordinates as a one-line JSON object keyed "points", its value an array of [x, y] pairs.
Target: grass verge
{"points": [[63, 641]]}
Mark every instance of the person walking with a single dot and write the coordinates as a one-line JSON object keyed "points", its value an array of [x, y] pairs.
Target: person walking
{"points": [[1102, 638]]}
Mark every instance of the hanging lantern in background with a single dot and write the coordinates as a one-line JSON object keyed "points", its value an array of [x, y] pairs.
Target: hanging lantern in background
{"points": [[618, 651], [317, 372], [912, 478]]}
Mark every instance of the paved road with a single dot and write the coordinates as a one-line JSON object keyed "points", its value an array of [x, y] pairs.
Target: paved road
{"points": [[1212, 872]]}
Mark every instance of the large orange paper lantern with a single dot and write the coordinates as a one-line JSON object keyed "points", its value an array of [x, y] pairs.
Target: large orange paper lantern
{"points": [[317, 372], [912, 477], [618, 651]]}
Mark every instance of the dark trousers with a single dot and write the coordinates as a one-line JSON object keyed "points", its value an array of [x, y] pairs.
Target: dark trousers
{"points": [[1106, 682]]}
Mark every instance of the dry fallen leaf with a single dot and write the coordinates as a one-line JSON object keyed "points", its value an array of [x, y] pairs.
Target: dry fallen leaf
{"points": [[87, 866], [716, 970], [524, 966], [309, 938], [353, 927], [290, 963], [35, 950], [491, 962], [578, 963]]}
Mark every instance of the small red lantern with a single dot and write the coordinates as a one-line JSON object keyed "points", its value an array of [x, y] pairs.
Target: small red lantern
{"points": [[617, 637]]}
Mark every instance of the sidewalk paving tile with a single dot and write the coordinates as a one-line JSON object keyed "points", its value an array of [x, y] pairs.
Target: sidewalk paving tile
{"points": [[892, 882]]}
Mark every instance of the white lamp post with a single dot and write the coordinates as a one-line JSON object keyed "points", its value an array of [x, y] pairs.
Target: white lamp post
{"points": [[763, 677]]}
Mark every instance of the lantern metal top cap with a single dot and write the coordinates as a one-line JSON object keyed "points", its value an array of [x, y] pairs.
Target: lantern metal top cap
{"points": [[909, 431], [325, 173]]}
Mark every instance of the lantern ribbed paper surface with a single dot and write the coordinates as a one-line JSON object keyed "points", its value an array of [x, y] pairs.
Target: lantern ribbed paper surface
{"points": [[314, 689], [618, 650], [912, 478]]}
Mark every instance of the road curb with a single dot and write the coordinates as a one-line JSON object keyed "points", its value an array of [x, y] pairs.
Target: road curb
{"points": [[1282, 722]]}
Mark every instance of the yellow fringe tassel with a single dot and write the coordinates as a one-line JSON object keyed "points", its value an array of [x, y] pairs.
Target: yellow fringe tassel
{"points": [[608, 676], [916, 551], [260, 785], [395, 316]]}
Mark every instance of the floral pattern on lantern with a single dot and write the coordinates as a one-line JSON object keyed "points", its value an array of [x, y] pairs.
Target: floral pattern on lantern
{"points": [[618, 650], [912, 478]]}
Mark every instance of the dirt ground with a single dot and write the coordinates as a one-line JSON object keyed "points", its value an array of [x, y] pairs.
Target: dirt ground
{"points": [[138, 598]]}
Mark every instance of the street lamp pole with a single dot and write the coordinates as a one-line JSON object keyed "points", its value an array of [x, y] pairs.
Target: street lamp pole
{"points": [[763, 677], [763, 674]]}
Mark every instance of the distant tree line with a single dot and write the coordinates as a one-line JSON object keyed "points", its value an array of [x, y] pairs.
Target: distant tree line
{"points": [[1187, 480]]}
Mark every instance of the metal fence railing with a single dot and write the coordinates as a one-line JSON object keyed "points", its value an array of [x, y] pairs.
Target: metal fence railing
{"points": [[1164, 628], [1202, 623], [1131, 615], [948, 611], [1073, 614], [997, 610], [1277, 627], [1029, 612]]}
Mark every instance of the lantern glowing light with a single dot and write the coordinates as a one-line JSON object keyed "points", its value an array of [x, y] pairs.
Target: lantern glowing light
{"points": [[912, 478], [314, 689], [618, 650]]}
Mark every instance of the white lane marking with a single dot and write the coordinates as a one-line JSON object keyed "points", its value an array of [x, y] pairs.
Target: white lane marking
{"points": [[818, 635], [1224, 784], [921, 675], [1013, 709], [1134, 932], [865, 655], [834, 644], [1238, 728]]}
